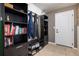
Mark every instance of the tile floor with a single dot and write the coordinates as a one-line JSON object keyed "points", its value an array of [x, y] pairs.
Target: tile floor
{"points": [[57, 50]]}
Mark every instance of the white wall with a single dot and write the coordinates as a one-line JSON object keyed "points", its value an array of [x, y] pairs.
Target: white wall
{"points": [[35, 9], [51, 24], [78, 36]]}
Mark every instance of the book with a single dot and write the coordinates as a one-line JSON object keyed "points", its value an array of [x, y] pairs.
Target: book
{"points": [[20, 30], [12, 30], [8, 18], [16, 30], [8, 41], [5, 43], [11, 41], [6, 29], [23, 31]]}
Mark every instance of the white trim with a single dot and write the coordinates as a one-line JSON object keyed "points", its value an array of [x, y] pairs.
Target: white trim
{"points": [[74, 48], [52, 43], [55, 44], [57, 41]]}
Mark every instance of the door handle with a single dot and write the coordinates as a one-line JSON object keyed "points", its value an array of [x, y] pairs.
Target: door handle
{"points": [[72, 29], [57, 31]]}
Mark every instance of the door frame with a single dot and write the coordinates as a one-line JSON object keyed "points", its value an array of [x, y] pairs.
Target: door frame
{"points": [[75, 22]]}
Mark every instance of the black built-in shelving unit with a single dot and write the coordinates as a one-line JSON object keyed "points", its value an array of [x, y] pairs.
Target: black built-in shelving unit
{"points": [[31, 43], [17, 17], [44, 30]]}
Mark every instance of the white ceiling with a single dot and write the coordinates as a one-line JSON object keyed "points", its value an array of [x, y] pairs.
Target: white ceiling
{"points": [[47, 7]]}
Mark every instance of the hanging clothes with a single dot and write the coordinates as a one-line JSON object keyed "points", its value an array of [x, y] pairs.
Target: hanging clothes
{"points": [[35, 27], [30, 26]]}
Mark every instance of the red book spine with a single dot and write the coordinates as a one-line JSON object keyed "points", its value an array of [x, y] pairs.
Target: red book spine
{"points": [[8, 29], [5, 29], [25, 30], [13, 30], [11, 41]]}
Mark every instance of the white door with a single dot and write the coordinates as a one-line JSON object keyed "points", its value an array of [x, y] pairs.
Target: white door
{"points": [[64, 28]]}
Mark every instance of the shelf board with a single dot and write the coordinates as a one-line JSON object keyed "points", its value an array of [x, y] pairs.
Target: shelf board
{"points": [[14, 11], [8, 35], [34, 48], [33, 40], [15, 22], [13, 35], [14, 45], [9, 46]]}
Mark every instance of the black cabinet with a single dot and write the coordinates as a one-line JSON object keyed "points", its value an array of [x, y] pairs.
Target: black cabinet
{"points": [[18, 50], [45, 32]]}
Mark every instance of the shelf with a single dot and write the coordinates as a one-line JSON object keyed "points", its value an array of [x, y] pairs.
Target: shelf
{"points": [[14, 11], [15, 22], [34, 40], [15, 45], [34, 48], [8, 35], [9, 46], [13, 35], [31, 51]]}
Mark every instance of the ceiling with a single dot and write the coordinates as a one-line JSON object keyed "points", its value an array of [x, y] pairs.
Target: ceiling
{"points": [[47, 7]]}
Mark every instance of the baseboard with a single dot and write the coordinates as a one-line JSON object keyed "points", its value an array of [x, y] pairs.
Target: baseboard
{"points": [[74, 48], [55, 44], [52, 43]]}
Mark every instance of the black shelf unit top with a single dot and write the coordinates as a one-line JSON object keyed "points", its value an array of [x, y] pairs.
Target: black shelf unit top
{"points": [[16, 22], [12, 10]]}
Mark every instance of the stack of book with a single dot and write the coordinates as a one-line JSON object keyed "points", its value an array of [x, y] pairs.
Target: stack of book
{"points": [[8, 41], [9, 30], [20, 30], [14, 30]]}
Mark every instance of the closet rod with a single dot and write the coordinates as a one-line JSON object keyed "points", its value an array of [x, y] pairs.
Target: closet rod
{"points": [[32, 12]]}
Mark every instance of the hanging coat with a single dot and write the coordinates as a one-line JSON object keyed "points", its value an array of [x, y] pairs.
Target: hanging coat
{"points": [[35, 26], [30, 26]]}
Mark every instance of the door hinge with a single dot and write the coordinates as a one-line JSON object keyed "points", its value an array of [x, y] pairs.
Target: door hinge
{"points": [[72, 29], [72, 15], [72, 43]]}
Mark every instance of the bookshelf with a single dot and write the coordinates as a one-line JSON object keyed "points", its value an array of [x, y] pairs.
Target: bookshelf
{"points": [[44, 30], [15, 29]]}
